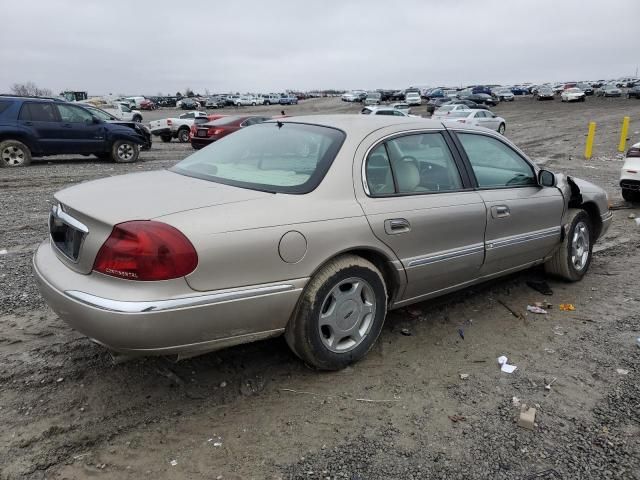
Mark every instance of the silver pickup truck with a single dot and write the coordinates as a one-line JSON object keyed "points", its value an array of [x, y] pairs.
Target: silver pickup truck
{"points": [[169, 128]]}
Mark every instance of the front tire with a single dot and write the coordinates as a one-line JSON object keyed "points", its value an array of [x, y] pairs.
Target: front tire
{"points": [[502, 128], [125, 151], [571, 261], [339, 315], [137, 119], [14, 154]]}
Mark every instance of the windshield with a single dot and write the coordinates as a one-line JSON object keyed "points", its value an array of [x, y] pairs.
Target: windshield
{"points": [[273, 157], [446, 108], [101, 114]]}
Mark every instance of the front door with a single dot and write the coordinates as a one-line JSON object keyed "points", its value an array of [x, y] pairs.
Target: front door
{"points": [[523, 218], [418, 203], [81, 133]]}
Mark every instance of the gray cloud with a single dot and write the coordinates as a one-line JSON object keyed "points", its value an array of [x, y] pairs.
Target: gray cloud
{"points": [[122, 46]]}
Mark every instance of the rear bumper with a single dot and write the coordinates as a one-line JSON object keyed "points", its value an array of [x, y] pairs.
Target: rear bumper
{"points": [[187, 323], [199, 142]]}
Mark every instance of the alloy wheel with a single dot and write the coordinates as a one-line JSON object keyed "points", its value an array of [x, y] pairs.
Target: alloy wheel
{"points": [[580, 246], [347, 315], [13, 156], [125, 152]]}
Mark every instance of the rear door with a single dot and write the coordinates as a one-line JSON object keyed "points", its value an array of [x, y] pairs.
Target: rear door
{"points": [[523, 218], [81, 133], [42, 119], [418, 200]]}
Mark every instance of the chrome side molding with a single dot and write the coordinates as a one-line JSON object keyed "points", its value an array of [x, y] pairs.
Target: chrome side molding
{"points": [[219, 296]]}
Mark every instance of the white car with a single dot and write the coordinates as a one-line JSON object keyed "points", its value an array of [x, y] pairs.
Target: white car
{"points": [[478, 118], [630, 175], [572, 95], [245, 100], [413, 98], [383, 110], [503, 94], [451, 94], [445, 110], [403, 107]]}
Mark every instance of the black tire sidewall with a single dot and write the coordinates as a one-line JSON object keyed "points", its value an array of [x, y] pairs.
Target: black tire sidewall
{"points": [[326, 358], [181, 133], [580, 217]]}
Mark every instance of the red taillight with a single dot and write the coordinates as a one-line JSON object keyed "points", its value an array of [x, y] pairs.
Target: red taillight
{"points": [[216, 131], [169, 122], [146, 250], [633, 152]]}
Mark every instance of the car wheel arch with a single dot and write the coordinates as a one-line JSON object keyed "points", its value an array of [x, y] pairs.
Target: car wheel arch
{"points": [[394, 279], [594, 214]]}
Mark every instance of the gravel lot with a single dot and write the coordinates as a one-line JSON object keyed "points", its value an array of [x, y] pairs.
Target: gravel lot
{"points": [[255, 412]]}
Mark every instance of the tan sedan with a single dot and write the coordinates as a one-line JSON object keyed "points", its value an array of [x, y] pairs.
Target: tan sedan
{"points": [[312, 227]]}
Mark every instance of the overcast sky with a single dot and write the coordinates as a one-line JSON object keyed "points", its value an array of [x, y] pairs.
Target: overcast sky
{"points": [[148, 47]]}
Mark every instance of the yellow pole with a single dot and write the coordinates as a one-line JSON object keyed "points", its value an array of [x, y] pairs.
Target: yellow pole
{"points": [[588, 149], [623, 134]]}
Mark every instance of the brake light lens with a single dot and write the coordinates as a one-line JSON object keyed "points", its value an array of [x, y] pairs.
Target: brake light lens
{"points": [[633, 152], [216, 131], [169, 122], [147, 251]]}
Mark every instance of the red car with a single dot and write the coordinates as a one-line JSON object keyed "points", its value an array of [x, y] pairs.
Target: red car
{"points": [[200, 121], [147, 104], [206, 133]]}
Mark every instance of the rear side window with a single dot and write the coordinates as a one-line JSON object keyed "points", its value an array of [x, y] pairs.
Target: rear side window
{"points": [[495, 164], [4, 105], [412, 164], [38, 112]]}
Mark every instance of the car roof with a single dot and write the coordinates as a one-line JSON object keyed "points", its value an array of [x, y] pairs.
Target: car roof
{"points": [[361, 124]]}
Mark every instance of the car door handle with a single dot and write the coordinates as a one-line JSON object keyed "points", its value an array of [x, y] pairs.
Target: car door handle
{"points": [[67, 125], [394, 226], [500, 211], [30, 124]]}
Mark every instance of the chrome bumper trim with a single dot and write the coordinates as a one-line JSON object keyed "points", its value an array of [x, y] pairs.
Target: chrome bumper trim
{"points": [[175, 303]]}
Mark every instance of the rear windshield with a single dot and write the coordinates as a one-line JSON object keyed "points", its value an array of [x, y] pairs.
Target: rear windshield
{"points": [[459, 113], [274, 157]]}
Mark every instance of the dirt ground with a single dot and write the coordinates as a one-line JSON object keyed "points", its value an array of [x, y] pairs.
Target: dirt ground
{"points": [[256, 412]]}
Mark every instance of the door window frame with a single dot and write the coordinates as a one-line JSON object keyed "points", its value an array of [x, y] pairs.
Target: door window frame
{"points": [[463, 154], [458, 161]]}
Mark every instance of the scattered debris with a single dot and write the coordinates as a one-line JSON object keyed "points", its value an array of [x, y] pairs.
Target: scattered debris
{"points": [[536, 309], [622, 371], [223, 384], [567, 307], [549, 350], [60, 380], [547, 386], [457, 418], [540, 286], [217, 444], [513, 312], [515, 401], [545, 305], [527, 417], [464, 376], [173, 463], [461, 333], [631, 216], [406, 332], [504, 366], [3, 252]]}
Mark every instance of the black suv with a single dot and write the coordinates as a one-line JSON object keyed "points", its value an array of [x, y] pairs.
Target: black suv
{"points": [[38, 127]]}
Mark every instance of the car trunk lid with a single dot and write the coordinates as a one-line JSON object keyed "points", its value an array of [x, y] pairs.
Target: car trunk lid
{"points": [[85, 214]]}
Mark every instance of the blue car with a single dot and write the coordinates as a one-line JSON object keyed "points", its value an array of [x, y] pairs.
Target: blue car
{"points": [[38, 127]]}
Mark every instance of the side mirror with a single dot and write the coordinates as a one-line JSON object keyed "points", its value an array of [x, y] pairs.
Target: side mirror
{"points": [[95, 120], [546, 178]]}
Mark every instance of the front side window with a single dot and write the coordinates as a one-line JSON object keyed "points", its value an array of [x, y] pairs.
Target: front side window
{"points": [[38, 112], [495, 164], [71, 114], [274, 157]]}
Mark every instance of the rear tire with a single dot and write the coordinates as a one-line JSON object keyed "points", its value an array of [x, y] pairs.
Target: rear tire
{"points": [[339, 315], [125, 151], [571, 261], [502, 128], [137, 119], [14, 154], [183, 135]]}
